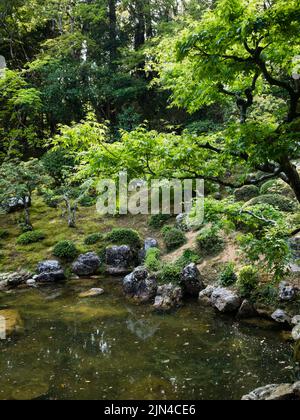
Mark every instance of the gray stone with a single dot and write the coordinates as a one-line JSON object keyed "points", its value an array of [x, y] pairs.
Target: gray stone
{"points": [[205, 295], [182, 222], [281, 317], [13, 280], [48, 266], [296, 320], [31, 283], [140, 285], [150, 243], [120, 260], [86, 264], [287, 293], [283, 392], [225, 300], [169, 296], [247, 310], [91, 293], [191, 281], [53, 277], [296, 332]]}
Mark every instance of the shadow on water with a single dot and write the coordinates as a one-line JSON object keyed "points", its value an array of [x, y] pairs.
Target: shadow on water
{"points": [[108, 348]]}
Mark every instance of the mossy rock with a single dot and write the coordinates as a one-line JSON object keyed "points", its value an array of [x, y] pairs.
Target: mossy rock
{"points": [[282, 203], [246, 193], [277, 187]]}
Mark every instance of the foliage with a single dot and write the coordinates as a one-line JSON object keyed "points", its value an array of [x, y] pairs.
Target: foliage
{"points": [[4, 234], [189, 256], [66, 250], [209, 240], [32, 237], [170, 273], [152, 261], [278, 201], [228, 275], [277, 187], [157, 221], [57, 163], [124, 236], [173, 238], [93, 239], [248, 281], [246, 193]]}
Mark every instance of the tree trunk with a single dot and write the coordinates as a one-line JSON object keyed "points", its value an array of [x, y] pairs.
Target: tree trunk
{"points": [[112, 14], [27, 213], [293, 176], [139, 36]]}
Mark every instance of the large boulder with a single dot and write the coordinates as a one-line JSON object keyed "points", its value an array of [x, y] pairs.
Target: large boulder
{"points": [[287, 293], [150, 243], [225, 300], [120, 260], [86, 264], [296, 332], [140, 285], [205, 295], [284, 392], [13, 280], [49, 271], [191, 281], [169, 296]]}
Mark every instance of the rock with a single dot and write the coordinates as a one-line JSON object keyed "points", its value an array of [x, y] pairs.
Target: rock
{"points": [[86, 264], [49, 272], [287, 293], [150, 243], [246, 193], [225, 300], [296, 332], [247, 310], [140, 285], [182, 222], [205, 295], [14, 204], [49, 266], [13, 280], [31, 283], [284, 392], [10, 322], [169, 296], [281, 317], [120, 260], [296, 320], [91, 293], [294, 244], [191, 281]]}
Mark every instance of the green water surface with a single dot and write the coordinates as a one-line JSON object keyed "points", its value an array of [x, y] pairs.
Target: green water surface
{"points": [[109, 348]]}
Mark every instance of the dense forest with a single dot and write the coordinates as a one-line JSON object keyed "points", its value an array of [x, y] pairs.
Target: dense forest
{"points": [[162, 89]]}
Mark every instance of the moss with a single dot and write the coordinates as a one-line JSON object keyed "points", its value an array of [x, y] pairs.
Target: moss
{"points": [[277, 187], [170, 273], [280, 202], [31, 237], [246, 193], [66, 250], [152, 261], [189, 256]]}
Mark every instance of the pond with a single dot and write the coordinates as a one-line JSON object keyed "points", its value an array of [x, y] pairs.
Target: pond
{"points": [[109, 348]]}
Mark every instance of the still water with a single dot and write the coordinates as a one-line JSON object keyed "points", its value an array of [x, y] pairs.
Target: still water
{"points": [[109, 348]]}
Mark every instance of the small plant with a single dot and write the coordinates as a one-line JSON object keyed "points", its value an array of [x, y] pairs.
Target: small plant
{"points": [[189, 256], [227, 276], [93, 239], [248, 281], [4, 234], [158, 220], [152, 261], [66, 250], [170, 273], [123, 236], [209, 241], [173, 238], [31, 237]]}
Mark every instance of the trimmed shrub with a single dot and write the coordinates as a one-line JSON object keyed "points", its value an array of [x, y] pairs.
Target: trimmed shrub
{"points": [[170, 273], [152, 261], [158, 220], [4, 234], [123, 236], [248, 281], [246, 193], [66, 250], [209, 241], [30, 237], [93, 239], [280, 202], [228, 277], [173, 238], [189, 256]]}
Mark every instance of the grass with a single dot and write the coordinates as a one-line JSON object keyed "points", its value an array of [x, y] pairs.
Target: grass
{"points": [[49, 221]]}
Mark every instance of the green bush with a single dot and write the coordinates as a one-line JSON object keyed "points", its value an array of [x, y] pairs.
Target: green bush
{"points": [[88, 201], [209, 241], [173, 238], [227, 276], [277, 187], [170, 273], [123, 236], [93, 239], [158, 220], [30, 237], [152, 261], [280, 202], [57, 162], [248, 281], [246, 193], [189, 256], [4, 234], [66, 250]]}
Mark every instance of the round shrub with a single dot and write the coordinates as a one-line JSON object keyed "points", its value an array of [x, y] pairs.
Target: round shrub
{"points": [[246, 193], [209, 241], [173, 238], [93, 239], [66, 250], [227, 276], [30, 237], [248, 281], [123, 236], [152, 261], [158, 220], [280, 202], [170, 273]]}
